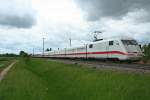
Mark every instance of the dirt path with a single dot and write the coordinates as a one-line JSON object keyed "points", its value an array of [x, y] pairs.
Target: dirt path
{"points": [[5, 71]]}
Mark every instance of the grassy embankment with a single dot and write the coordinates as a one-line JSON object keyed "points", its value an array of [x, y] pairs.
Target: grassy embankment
{"points": [[44, 80]]}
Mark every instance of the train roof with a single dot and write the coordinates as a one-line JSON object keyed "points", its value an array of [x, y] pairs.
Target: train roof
{"points": [[105, 40], [111, 39]]}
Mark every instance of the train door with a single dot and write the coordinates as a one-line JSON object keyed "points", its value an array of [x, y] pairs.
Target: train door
{"points": [[106, 50], [109, 48], [113, 47], [86, 51]]}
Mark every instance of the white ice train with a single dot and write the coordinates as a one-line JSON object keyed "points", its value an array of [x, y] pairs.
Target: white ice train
{"points": [[115, 48]]}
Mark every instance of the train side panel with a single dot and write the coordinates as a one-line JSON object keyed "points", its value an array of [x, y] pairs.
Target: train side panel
{"points": [[81, 52], [97, 50], [116, 50]]}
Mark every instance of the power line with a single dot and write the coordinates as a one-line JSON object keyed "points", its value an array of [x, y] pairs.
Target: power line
{"points": [[43, 45], [33, 51], [70, 42]]}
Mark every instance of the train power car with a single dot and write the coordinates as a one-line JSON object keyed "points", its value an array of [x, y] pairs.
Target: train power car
{"points": [[115, 48]]}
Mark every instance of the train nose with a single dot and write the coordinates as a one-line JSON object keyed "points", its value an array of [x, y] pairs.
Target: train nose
{"points": [[140, 54], [135, 55]]}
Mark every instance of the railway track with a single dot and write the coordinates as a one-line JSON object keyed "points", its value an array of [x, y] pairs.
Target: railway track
{"points": [[110, 65]]}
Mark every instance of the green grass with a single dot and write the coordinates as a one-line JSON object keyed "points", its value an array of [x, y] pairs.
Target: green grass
{"points": [[4, 62], [45, 80]]}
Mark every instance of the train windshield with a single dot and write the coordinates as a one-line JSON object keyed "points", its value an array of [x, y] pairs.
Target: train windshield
{"points": [[129, 42]]}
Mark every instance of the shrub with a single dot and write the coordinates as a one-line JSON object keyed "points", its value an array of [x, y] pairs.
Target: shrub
{"points": [[146, 49]]}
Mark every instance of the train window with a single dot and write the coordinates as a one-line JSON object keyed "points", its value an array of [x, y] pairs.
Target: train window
{"points": [[111, 42], [129, 42], [91, 46]]}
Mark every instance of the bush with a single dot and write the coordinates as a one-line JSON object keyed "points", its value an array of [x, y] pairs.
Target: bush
{"points": [[146, 49], [25, 56]]}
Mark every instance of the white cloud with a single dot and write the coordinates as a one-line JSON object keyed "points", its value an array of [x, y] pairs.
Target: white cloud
{"points": [[59, 19], [62, 19], [126, 27]]}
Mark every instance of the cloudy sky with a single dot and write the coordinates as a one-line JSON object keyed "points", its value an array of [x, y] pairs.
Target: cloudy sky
{"points": [[23, 23]]}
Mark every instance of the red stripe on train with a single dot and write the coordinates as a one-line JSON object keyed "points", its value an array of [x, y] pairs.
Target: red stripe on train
{"points": [[104, 52]]}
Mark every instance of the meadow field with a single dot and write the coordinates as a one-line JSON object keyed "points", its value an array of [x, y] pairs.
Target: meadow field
{"points": [[41, 79], [5, 61]]}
